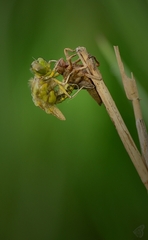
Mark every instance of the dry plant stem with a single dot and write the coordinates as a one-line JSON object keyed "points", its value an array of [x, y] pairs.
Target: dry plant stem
{"points": [[114, 114], [131, 91]]}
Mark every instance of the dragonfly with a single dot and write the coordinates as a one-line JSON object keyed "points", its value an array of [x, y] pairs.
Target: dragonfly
{"points": [[74, 72], [46, 89]]}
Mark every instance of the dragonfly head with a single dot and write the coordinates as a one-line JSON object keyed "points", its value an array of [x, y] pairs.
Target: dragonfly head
{"points": [[40, 67]]}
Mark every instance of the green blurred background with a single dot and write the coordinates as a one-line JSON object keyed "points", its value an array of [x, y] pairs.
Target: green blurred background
{"points": [[72, 179]]}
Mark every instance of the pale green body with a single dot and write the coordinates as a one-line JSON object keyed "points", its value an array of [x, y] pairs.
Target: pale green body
{"points": [[46, 89]]}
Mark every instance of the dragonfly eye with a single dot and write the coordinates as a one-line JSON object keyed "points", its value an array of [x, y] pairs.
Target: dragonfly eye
{"points": [[40, 66]]}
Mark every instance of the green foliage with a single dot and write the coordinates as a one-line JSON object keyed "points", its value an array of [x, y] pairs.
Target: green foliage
{"points": [[73, 179]]}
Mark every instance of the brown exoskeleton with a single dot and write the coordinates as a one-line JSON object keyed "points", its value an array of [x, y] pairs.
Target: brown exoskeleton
{"points": [[74, 72]]}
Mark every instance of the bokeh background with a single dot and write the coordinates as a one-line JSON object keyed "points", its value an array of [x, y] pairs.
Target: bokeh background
{"points": [[70, 180]]}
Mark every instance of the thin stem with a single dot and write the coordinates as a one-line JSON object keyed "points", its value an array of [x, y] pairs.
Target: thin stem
{"points": [[131, 91]]}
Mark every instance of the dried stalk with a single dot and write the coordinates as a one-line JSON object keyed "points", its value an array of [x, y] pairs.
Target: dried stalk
{"points": [[114, 114], [132, 94]]}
